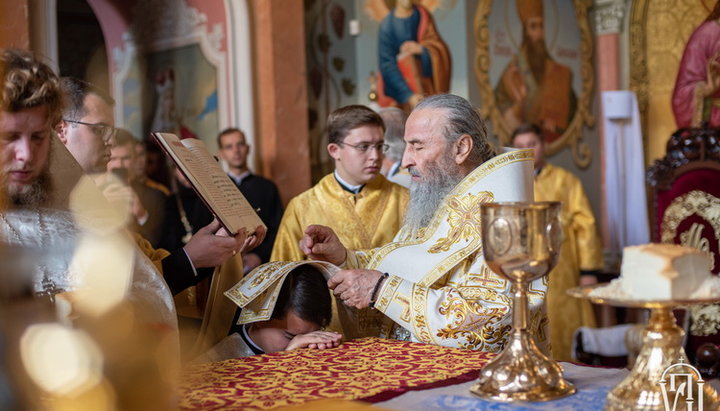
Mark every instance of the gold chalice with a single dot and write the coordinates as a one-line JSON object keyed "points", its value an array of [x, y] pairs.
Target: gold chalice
{"points": [[650, 385], [521, 242]]}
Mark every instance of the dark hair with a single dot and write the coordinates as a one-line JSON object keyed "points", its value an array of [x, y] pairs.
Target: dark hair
{"points": [[345, 119], [227, 131], [461, 118], [75, 91], [124, 137], [527, 128], [305, 292], [28, 83]]}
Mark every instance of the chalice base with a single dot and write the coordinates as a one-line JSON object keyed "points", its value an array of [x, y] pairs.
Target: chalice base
{"points": [[522, 373]]}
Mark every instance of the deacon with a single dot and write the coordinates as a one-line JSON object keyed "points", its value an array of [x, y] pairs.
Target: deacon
{"points": [[363, 208], [431, 282]]}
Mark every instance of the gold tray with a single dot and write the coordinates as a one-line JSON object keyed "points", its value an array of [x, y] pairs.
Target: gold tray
{"points": [[584, 292]]}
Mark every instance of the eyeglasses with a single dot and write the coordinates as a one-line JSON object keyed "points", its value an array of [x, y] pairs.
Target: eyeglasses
{"points": [[104, 131], [364, 147]]}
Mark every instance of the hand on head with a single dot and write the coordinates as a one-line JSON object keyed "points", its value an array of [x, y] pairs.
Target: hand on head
{"points": [[321, 243], [355, 287], [211, 246], [316, 339]]}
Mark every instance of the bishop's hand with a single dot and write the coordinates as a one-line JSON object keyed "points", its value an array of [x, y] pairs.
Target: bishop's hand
{"points": [[355, 287], [321, 243]]}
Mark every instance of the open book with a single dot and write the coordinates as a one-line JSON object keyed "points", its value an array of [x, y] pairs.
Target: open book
{"points": [[210, 182]]}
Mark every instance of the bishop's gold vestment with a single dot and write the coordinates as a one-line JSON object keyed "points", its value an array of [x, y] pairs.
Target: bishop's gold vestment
{"points": [[581, 250], [368, 219], [439, 288]]}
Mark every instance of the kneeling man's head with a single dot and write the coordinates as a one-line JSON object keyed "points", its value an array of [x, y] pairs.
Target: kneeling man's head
{"points": [[30, 107], [303, 306]]}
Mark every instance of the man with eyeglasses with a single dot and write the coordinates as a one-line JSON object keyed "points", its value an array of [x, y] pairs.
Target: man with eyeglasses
{"points": [[87, 125], [88, 132], [39, 224], [359, 203]]}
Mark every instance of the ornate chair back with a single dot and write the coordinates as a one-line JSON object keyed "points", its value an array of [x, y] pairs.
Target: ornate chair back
{"points": [[686, 191]]}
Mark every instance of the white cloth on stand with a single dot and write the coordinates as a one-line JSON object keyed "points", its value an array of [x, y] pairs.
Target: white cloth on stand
{"points": [[624, 171], [608, 341]]}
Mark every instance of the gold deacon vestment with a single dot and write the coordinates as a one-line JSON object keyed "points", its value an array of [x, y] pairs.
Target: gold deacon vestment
{"points": [[368, 219], [439, 288], [581, 250]]}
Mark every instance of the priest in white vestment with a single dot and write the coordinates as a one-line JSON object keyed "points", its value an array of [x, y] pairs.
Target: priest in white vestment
{"points": [[431, 283]]}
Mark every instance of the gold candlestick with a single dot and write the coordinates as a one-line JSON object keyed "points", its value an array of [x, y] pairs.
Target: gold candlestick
{"points": [[521, 242]]}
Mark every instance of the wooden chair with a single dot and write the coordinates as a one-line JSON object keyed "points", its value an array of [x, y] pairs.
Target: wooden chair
{"points": [[686, 202]]}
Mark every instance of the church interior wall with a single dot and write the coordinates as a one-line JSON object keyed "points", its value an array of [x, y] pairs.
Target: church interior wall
{"points": [[351, 31], [661, 57]]}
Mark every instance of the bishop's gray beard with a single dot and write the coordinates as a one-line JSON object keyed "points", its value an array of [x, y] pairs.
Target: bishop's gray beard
{"points": [[426, 196]]}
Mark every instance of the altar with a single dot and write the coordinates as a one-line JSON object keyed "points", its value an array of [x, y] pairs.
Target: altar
{"points": [[389, 374]]}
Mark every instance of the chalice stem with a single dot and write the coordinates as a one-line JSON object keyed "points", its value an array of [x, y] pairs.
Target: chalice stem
{"points": [[520, 306]]}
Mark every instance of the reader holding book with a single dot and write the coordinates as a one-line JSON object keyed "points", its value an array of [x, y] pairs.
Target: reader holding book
{"points": [[87, 130]]}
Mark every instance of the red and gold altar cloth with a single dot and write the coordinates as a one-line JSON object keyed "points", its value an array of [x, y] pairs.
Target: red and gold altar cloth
{"points": [[370, 369]]}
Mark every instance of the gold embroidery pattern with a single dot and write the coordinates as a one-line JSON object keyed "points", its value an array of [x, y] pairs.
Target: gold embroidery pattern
{"points": [[697, 202], [297, 377], [705, 319], [388, 293], [479, 326], [464, 186], [238, 297], [405, 314], [449, 263], [265, 273], [479, 293], [463, 218], [488, 278], [419, 308]]}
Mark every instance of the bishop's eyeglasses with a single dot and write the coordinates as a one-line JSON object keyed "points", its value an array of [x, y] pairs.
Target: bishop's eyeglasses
{"points": [[104, 131], [365, 147]]}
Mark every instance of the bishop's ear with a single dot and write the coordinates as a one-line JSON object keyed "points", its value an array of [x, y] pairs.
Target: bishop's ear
{"points": [[463, 147]]}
